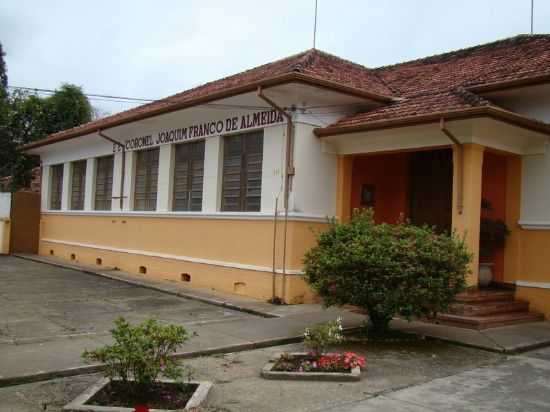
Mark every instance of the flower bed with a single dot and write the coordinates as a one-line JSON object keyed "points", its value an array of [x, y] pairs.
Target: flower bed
{"points": [[133, 369], [308, 366], [163, 395]]}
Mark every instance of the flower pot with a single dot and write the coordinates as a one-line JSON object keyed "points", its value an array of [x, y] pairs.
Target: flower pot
{"points": [[485, 276]]}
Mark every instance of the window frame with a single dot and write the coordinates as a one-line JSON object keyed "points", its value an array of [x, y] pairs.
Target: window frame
{"points": [[78, 182], [104, 203], [186, 178], [245, 202], [151, 180], [55, 200]]}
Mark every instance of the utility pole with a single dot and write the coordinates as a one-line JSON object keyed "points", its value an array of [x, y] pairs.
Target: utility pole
{"points": [[315, 26], [532, 14]]}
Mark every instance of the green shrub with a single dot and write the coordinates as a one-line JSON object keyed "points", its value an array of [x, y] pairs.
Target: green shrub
{"points": [[319, 337], [387, 269], [141, 353]]}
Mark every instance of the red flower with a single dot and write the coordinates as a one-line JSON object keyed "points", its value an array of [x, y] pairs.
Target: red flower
{"points": [[141, 408]]}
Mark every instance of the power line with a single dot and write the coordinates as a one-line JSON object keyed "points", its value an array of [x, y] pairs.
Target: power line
{"points": [[90, 95], [338, 108]]}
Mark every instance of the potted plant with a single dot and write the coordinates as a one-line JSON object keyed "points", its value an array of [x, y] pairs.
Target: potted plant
{"points": [[140, 372], [317, 364], [492, 237]]}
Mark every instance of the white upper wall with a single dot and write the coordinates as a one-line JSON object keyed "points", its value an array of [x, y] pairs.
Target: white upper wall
{"points": [[533, 102], [314, 184]]}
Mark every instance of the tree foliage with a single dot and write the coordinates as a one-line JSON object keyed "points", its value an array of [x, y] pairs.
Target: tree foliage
{"points": [[387, 269], [25, 118]]}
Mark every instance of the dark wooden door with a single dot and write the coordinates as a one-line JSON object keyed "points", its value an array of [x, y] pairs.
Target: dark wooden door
{"points": [[432, 188]]}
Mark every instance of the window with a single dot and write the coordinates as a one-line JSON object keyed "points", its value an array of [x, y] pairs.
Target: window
{"points": [[188, 176], [56, 189], [104, 183], [78, 184], [147, 170], [242, 172]]}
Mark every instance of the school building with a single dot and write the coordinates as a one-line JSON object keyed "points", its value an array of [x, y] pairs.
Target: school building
{"points": [[222, 186]]}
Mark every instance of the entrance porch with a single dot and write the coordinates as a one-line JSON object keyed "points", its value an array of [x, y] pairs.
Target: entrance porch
{"points": [[440, 174], [419, 186]]}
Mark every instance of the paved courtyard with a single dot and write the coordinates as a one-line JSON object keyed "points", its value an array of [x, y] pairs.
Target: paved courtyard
{"points": [[425, 376], [41, 303], [49, 315]]}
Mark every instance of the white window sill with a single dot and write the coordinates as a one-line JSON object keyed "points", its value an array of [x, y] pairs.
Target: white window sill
{"points": [[192, 215]]}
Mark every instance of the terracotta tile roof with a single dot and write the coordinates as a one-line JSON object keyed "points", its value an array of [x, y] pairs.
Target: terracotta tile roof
{"points": [[418, 105], [440, 83], [311, 65], [419, 87], [518, 57]]}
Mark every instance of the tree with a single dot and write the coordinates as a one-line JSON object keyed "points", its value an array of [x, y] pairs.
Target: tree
{"points": [[67, 107], [3, 71], [5, 147], [29, 118], [387, 269]]}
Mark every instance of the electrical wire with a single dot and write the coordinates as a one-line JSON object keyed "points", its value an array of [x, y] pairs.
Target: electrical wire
{"points": [[221, 106]]}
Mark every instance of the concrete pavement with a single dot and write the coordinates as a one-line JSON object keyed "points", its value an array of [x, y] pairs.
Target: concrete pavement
{"points": [[49, 315], [520, 383]]}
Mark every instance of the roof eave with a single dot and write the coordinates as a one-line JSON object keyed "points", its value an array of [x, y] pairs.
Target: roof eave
{"points": [[487, 111], [509, 84], [265, 83]]}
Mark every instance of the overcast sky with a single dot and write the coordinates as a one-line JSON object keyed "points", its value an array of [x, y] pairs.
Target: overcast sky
{"points": [[151, 49]]}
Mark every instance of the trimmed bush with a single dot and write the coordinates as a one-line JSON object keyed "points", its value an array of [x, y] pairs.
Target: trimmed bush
{"points": [[141, 353], [387, 269]]}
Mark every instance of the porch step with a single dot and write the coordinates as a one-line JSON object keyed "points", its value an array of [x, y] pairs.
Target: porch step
{"points": [[488, 308], [481, 296], [489, 321]]}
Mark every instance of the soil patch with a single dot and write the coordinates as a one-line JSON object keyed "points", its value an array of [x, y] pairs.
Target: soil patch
{"points": [[162, 395]]}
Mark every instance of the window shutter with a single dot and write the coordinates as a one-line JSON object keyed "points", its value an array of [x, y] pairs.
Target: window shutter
{"points": [[78, 183], [254, 157], [188, 176], [242, 172], [104, 183], [56, 187], [147, 168]]}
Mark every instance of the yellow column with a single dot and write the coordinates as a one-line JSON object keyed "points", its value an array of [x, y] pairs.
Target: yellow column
{"points": [[467, 222], [343, 188], [512, 247]]}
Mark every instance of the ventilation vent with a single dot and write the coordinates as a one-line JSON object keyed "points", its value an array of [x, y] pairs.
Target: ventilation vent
{"points": [[239, 287], [185, 277], [51, 252], [98, 261], [143, 270], [73, 256]]}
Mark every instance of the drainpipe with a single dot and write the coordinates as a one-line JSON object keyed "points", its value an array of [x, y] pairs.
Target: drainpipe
{"points": [[274, 272], [460, 166], [289, 173], [116, 142]]}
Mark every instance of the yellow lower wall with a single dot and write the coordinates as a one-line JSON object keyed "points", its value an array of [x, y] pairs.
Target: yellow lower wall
{"points": [[539, 299], [228, 241]]}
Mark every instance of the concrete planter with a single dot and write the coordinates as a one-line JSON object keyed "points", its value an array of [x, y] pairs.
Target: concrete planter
{"points": [[79, 404], [268, 373]]}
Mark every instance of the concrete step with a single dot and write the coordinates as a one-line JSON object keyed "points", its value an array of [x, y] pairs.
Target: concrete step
{"points": [[478, 296], [488, 308], [489, 321]]}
